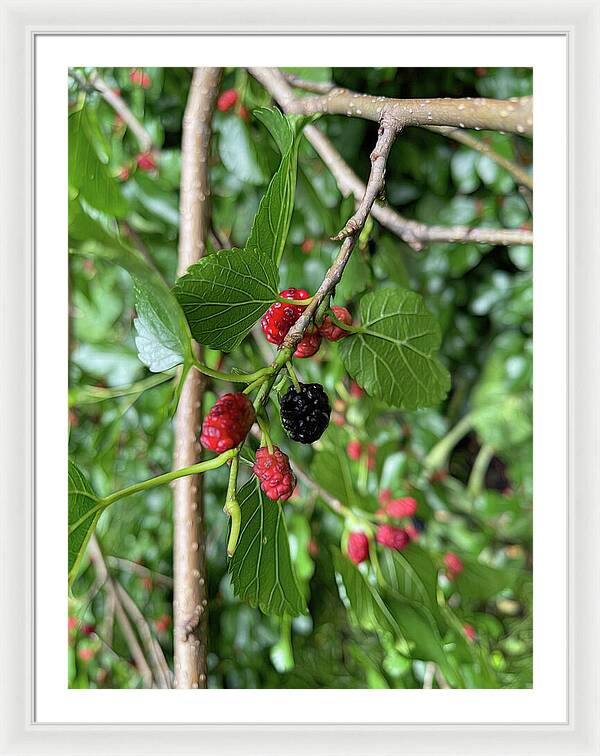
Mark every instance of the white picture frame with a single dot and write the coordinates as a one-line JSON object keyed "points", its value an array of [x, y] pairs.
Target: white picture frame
{"points": [[20, 23]]}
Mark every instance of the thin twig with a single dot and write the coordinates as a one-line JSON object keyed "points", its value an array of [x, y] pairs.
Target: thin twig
{"points": [[190, 596], [385, 140], [155, 654], [120, 107], [133, 644], [350, 233], [415, 234], [520, 175], [129, 566], [514, 115], [317, 87]]}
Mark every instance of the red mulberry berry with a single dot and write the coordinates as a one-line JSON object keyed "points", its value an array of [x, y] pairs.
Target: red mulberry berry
{"points": [[405, 507], [227, 423], [358, 547], [280, 317], [140, 78], [227, 100], [392, 538], [275, 474], [470, 632], [329, 330], [308, 345], [454, 565], [146, 161], [244, 114], [307, 246], [355, 390], [354, 449]]}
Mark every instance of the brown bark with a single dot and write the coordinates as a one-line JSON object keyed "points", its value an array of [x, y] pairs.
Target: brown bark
{"points": [[190, 597]]}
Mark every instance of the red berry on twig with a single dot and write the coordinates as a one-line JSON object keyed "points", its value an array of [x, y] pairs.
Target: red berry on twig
{"points": [[454, 565], [140, 78], [146, 161], [358, 547], [354, 449], [227, 423], [332, 332], [308, 345], [275, 474], [227, 100], [392, 538], [280, 316]]}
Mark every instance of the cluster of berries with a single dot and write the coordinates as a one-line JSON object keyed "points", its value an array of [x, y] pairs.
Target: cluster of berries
{"points": [[355, 450], [387, 535], [304, 415], [227, 100], [281, 316]]}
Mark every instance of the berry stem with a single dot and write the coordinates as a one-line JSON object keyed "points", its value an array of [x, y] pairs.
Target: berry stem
{"points": [[301, 302], [293, 376], [232, 377], [438, 456], [159, 480], [232, 507], [266, 437], [343, 326]]}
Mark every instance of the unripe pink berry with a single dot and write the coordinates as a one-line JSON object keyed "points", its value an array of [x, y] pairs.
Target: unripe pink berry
{"points": [[358, 547]]}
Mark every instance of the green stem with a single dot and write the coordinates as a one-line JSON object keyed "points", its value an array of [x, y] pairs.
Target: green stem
{"points": [[232, 507], [344, 326], [438, 456], [232, 377], [91, 394], [480, 466], [301, 302], [293, 376], [262, 424], [200, 467]]}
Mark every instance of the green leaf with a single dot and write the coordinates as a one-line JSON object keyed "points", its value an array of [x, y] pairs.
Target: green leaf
{"points": [[163, 336], [272, 221], [412, 574], [239, 152], [334, 473], [88, 176], [392, 356], [278, 127], [162, 341], [261, 568], [224, 295], [481, 582], [84, 513]]}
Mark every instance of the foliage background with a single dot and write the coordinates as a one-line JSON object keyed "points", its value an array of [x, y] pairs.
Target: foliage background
{"points": [[482, 297]]}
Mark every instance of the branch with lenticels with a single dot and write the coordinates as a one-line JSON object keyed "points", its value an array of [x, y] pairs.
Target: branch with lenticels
{"points": [[414, 233]]}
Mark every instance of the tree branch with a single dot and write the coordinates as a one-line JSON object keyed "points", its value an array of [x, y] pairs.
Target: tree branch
{"points": [[415, 234], [160, 669], [520, 175], [350, 232], [514, 115], [190, 619], [133, 644], [120, 107]]}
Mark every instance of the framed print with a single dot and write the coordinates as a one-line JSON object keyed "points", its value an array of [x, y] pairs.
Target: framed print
{"points": [[299, 418]]}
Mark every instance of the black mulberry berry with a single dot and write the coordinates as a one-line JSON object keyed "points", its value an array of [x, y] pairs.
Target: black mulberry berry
{"points": [[305, 413]]}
